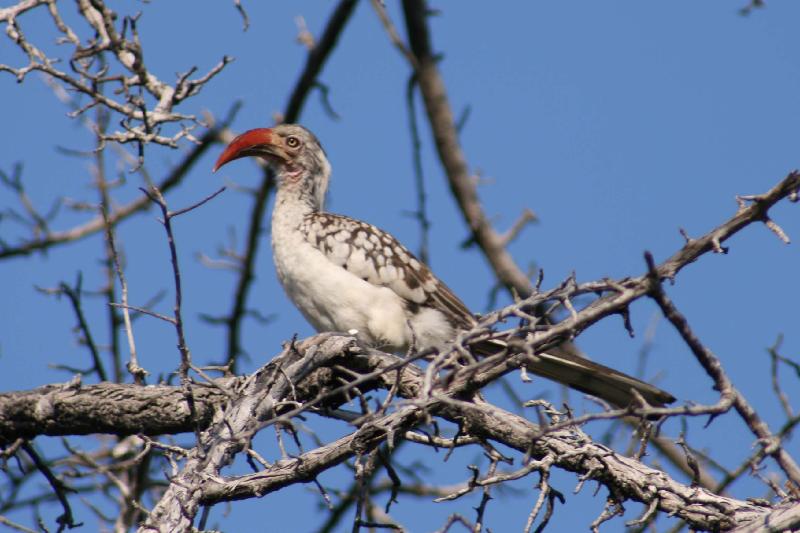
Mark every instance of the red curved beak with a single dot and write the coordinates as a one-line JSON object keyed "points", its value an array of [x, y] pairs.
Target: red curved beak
{"points": [[249, 143]]}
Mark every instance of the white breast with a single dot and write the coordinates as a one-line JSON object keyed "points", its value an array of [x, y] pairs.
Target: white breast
{"points": [[330, 297]]}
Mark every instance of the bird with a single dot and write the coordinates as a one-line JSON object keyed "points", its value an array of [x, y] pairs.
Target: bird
{"points": [[346, 275]]}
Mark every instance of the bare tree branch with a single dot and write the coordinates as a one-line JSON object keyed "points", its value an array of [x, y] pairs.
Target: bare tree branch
{"points": [[712, 365], [98, 224]]}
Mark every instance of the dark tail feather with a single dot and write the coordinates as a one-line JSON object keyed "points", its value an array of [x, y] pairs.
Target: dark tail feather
{"points": [[565, 366]]}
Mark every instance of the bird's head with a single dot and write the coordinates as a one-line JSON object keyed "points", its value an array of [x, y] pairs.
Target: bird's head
{"points": [[292, 151]]}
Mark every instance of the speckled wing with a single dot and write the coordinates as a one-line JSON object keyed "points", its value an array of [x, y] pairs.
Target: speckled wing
{"points": [[378, 258]]}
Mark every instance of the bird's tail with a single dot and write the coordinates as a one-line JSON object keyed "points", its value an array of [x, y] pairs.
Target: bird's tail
{"points": [[566, 366]]}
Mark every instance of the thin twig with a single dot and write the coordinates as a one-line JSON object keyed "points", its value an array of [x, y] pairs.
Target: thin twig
{"points": [[713, 367], [65, 520], [139, 374], [421, 213], [74, 295]]}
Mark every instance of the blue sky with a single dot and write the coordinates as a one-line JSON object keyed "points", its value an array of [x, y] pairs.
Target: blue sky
{"points": [[617, 124]]}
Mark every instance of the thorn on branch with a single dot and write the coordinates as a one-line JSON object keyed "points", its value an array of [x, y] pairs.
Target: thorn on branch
{"points": [[571, 284], [651, 266], [324, 92], [690, 460], [625, 313], [717, 247], [463, 118], [771, 224], [685, 235], [776, 229], [539, 279]]}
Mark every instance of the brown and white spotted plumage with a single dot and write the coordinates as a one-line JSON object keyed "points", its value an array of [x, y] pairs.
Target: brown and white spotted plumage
{"points": [[347, 275], [378, 258]]}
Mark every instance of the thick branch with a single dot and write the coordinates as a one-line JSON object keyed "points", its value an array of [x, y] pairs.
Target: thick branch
{"points": [[570, 447], [114, 408]]}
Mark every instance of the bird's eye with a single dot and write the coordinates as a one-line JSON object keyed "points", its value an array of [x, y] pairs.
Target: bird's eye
{"points": [[292, 142]]}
